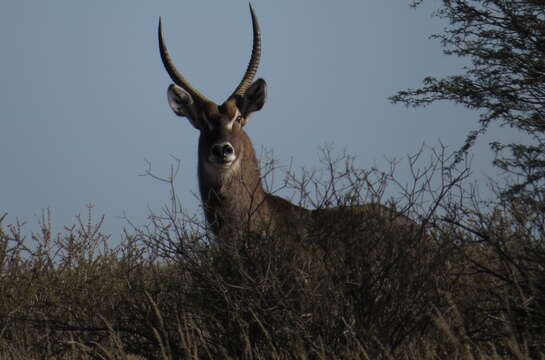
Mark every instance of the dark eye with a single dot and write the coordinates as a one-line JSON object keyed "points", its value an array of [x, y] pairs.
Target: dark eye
{"points": [[239, 118]]}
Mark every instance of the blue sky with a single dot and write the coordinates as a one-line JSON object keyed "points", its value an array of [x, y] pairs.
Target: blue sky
{"points": [[83, 94]]}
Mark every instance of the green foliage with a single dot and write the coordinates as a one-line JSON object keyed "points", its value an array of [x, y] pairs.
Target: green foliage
{"points": [[504, 82]]}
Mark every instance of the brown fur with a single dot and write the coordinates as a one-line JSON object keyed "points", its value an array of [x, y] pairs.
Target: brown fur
{"points": [[230, 184], [236, 197]]}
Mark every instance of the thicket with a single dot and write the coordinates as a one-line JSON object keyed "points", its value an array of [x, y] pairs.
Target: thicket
{"points": [[467, 282]]}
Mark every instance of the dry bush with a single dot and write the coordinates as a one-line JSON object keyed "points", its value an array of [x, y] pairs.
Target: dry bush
{"points": [[465, 281]]}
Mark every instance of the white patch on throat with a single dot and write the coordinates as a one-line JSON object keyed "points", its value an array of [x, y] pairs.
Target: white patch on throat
{"points": [[220, 175]]}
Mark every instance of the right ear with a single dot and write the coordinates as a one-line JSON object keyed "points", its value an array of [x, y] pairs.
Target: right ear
{"points": [[253, 100], [182, 104]]}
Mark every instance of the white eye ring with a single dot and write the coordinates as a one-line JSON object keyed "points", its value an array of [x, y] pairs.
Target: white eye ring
{"points": [[239, 118]]}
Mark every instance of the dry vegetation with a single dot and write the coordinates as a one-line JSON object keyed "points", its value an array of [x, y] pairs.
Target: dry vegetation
{"points": [[469, 283]]}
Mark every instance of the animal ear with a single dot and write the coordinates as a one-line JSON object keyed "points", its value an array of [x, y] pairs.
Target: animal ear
{"points": [[182, 104], [253, 99]]}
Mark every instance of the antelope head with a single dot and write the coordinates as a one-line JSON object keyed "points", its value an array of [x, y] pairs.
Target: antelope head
{"points": [[229, 177], [222, 140]]}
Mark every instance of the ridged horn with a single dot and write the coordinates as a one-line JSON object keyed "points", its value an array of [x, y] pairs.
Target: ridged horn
{"points": [[254, 60], [175, 75]]}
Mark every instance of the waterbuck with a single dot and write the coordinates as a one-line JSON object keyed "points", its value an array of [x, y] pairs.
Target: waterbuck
{"points": [[229, 175]]}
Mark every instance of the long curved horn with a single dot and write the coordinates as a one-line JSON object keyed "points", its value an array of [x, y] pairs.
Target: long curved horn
{"points": [[254, 60], [175, 75]]}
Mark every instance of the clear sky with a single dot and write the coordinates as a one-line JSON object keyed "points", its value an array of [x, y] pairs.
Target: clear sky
{"points": [[83, 94]]}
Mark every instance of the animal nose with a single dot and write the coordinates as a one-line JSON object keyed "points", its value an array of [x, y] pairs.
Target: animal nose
{"points": [[223, 150]]}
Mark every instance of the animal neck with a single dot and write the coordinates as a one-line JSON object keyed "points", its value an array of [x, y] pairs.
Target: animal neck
{"points": [[235, 196]]}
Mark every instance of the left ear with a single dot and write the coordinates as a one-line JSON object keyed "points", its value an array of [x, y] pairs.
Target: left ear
{"points": [[253, 99]]}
